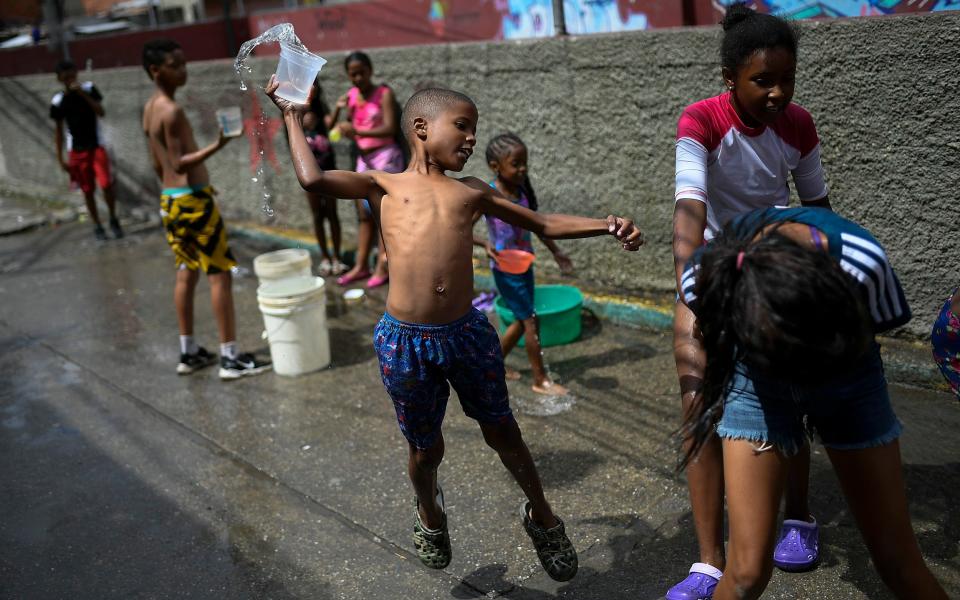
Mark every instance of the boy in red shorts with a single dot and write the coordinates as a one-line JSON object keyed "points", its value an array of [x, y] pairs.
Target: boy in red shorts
{"points": [[88, 164]]}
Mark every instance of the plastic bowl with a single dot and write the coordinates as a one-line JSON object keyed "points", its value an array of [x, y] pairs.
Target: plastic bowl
{"points": [[558, 309], [353, 296], [516, 262]]}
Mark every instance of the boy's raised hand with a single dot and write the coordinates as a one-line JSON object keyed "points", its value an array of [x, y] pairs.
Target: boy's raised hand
{"points": [[283, 104], [630, 236], [222, 139]]}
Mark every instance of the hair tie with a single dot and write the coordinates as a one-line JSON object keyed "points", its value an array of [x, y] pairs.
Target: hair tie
{"points": [[740, 260]]}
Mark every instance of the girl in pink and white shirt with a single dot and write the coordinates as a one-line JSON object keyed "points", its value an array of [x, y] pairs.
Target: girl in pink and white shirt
{"points": [[737, 152]]}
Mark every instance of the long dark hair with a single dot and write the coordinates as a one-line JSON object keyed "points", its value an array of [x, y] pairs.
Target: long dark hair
{"points": [[360, 57], [778, 307], [499, 147]]}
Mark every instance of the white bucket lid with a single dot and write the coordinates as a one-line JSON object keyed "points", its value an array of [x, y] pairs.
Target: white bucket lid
{"points": [[282, 261], [287, 292]]}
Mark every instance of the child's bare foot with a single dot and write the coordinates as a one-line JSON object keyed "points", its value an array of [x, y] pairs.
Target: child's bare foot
{"points": [[549, 388], [511, 374]]}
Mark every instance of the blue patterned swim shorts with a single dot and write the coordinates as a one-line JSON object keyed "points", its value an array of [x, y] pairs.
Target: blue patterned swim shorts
{"points": [[419, 363]]}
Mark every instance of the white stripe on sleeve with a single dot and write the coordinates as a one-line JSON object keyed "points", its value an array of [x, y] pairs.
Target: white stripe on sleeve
{"points": [[866, 282], [809, 177], [881, 266], [688, 282], [875, 271], [691, 170]]}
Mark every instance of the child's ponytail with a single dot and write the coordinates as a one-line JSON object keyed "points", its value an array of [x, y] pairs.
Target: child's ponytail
{"points": [[527, 189], [736, 13]]}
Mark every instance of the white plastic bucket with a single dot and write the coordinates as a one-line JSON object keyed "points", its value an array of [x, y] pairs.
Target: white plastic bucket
{"points": [[282, 264], [296, 72], [230, 119], [295, 318]]}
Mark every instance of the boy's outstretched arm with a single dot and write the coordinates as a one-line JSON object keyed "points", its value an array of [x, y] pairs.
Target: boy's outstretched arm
{"points": [[339, 184], [556, 226]]}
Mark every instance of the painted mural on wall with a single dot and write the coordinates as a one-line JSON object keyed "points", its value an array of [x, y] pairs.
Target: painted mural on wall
{"points": [[808, 9], [534, 18]]}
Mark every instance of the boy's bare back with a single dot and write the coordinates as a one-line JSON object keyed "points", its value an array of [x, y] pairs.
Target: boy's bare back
{"points": [[170, 136]]}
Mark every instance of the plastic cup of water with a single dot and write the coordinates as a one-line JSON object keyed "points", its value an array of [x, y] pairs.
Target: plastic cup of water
{"points": [[231, 120], [296, 73]]}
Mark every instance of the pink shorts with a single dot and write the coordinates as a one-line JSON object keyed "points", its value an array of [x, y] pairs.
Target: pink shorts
{"points": [[388, 158]]}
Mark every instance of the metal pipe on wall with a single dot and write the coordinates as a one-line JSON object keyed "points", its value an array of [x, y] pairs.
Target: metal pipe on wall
{"points": [[559, 19]]}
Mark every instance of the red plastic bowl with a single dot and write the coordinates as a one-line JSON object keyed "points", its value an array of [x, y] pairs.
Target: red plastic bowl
{"points": [[516, 262]]}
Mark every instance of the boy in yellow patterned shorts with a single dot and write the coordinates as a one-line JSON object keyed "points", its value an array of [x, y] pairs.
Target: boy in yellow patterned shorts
{"points": [[195, 231]]}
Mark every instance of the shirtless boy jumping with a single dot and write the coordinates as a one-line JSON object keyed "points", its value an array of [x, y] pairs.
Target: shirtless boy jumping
{"points": [[195, 231], [431, 337]]}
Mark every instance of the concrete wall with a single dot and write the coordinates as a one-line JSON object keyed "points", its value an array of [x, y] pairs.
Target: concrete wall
{"points": [[599, 115]]}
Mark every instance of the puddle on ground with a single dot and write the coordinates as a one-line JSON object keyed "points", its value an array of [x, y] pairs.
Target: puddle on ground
{"points": [[538, 405]]}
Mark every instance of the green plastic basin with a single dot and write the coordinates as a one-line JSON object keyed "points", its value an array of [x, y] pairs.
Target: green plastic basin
{"points": [[558, 308]]}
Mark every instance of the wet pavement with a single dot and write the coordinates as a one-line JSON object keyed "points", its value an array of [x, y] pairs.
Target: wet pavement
{"points": [[120, 479]]}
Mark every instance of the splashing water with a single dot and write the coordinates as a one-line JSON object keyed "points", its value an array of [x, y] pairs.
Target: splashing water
{"points": [[539, 405], [545, 405], [278, 33]]}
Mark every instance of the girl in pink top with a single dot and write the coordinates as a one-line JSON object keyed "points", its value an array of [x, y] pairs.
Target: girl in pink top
{"points": [[373, 118]]}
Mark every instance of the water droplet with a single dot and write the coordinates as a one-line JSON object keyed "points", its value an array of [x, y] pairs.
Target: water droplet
{"points": [[254, 179]]}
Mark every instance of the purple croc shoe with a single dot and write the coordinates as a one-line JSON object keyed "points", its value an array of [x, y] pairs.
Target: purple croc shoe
{"points": [[698, 585], [799, 546]]}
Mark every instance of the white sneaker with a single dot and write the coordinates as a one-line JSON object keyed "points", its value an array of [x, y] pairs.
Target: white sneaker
{"points": [[242, 366], [325, 269]]}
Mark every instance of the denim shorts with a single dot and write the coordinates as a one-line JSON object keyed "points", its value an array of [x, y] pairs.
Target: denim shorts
{"points": [[517, 292], [848, 412]]}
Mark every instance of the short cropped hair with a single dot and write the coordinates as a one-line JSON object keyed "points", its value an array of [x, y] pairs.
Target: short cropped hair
{"points": [[155, 52], [64, 65], [428, 104]]}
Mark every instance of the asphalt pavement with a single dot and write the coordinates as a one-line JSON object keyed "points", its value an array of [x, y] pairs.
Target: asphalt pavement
{"points": [[120, 479]]}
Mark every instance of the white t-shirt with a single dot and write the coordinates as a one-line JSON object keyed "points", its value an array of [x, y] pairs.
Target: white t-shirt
{"points": [[734, 169]]}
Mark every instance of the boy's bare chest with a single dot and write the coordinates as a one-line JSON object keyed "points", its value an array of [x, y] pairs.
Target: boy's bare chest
{"points": [[408, 208]]}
